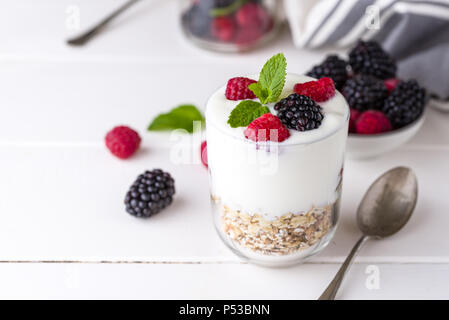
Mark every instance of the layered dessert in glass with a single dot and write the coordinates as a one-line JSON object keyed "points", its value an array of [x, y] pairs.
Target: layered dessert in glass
{"points": [[276, 202]]}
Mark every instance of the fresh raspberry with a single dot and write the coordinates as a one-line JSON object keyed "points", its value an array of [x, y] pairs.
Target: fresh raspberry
{"points": [[204, 153], [267, 127], [372, 122], [223, 28], [391, 83], [354, 115], [237, 89], [252, 15], [320, 90], [122, 141]]}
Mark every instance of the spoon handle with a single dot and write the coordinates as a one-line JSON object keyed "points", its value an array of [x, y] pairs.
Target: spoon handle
{"points": [[331, 290], [86, 36]]}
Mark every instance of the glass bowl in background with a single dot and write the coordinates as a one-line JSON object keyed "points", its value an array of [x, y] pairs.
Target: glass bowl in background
{"points": [[230, 25]]}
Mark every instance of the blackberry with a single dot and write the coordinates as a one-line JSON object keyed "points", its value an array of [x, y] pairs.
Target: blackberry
{"points": [[207, 5], [197, 21], [150, 193], [365, 92], [223, 3], [369, 58], [332, 67], [405, 104], [299, 112]]}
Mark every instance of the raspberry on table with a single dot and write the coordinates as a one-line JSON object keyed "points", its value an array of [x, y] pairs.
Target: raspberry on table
{"points": [[223, 28], [299, 112], [267, 127], [405, 104], [369, 58], [332, 67], [372, 122], [122, 141], [150, 193], [365, 92], [237, 89], [203, 153], [320, 90]]}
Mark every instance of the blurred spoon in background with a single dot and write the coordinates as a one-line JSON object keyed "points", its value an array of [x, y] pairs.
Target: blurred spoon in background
{"points": [[93, 31]]}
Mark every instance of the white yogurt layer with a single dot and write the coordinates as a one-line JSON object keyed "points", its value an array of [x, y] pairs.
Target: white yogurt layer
{"points": [[276, 178]]}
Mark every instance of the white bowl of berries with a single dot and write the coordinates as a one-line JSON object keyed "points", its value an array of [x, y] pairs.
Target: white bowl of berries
{"points": [[385, 111], [365, 146], [398, 117]]}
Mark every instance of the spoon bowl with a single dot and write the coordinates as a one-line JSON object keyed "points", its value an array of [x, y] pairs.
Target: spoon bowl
{"points": [[389, 203]]}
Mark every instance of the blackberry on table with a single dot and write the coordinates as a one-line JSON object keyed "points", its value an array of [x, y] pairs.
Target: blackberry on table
{"points": [[150, 193], [365, 92], [405, 104], [299, 112], [332, 67], [369, 58]]}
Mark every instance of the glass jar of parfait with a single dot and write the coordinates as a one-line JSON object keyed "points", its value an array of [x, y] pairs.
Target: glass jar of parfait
{"points": [[276, 203]]}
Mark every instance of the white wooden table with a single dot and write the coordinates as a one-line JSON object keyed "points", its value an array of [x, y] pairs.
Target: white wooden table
{"points": [[63, 229]]}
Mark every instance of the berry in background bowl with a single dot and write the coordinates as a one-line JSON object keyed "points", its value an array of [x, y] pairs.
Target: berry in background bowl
{"points": [[385, 111], [375, 132], [365, 146]]}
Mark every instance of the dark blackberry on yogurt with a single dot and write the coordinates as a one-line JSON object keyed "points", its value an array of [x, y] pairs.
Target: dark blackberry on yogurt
{"points": [[299, 112]]}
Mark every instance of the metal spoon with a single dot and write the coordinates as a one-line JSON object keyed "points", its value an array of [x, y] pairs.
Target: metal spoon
{"points": [[89, 34], [384, 210]]}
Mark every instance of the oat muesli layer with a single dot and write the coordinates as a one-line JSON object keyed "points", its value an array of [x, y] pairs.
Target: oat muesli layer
{"points": [[288, 234]]}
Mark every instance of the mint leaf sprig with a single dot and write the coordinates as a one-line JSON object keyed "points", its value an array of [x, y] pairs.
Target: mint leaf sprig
{"points": [[181, 117], [245, 112], [267, 89], [271, 79]]}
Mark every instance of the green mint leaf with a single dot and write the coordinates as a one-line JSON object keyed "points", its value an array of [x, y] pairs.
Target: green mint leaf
{"points": [[260, 92], [272, 79], [181, 117], [245, 112], [225, 11]]}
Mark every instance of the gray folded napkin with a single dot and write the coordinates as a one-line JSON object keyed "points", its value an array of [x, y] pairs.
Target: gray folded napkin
{"points": [[415, 33]]}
